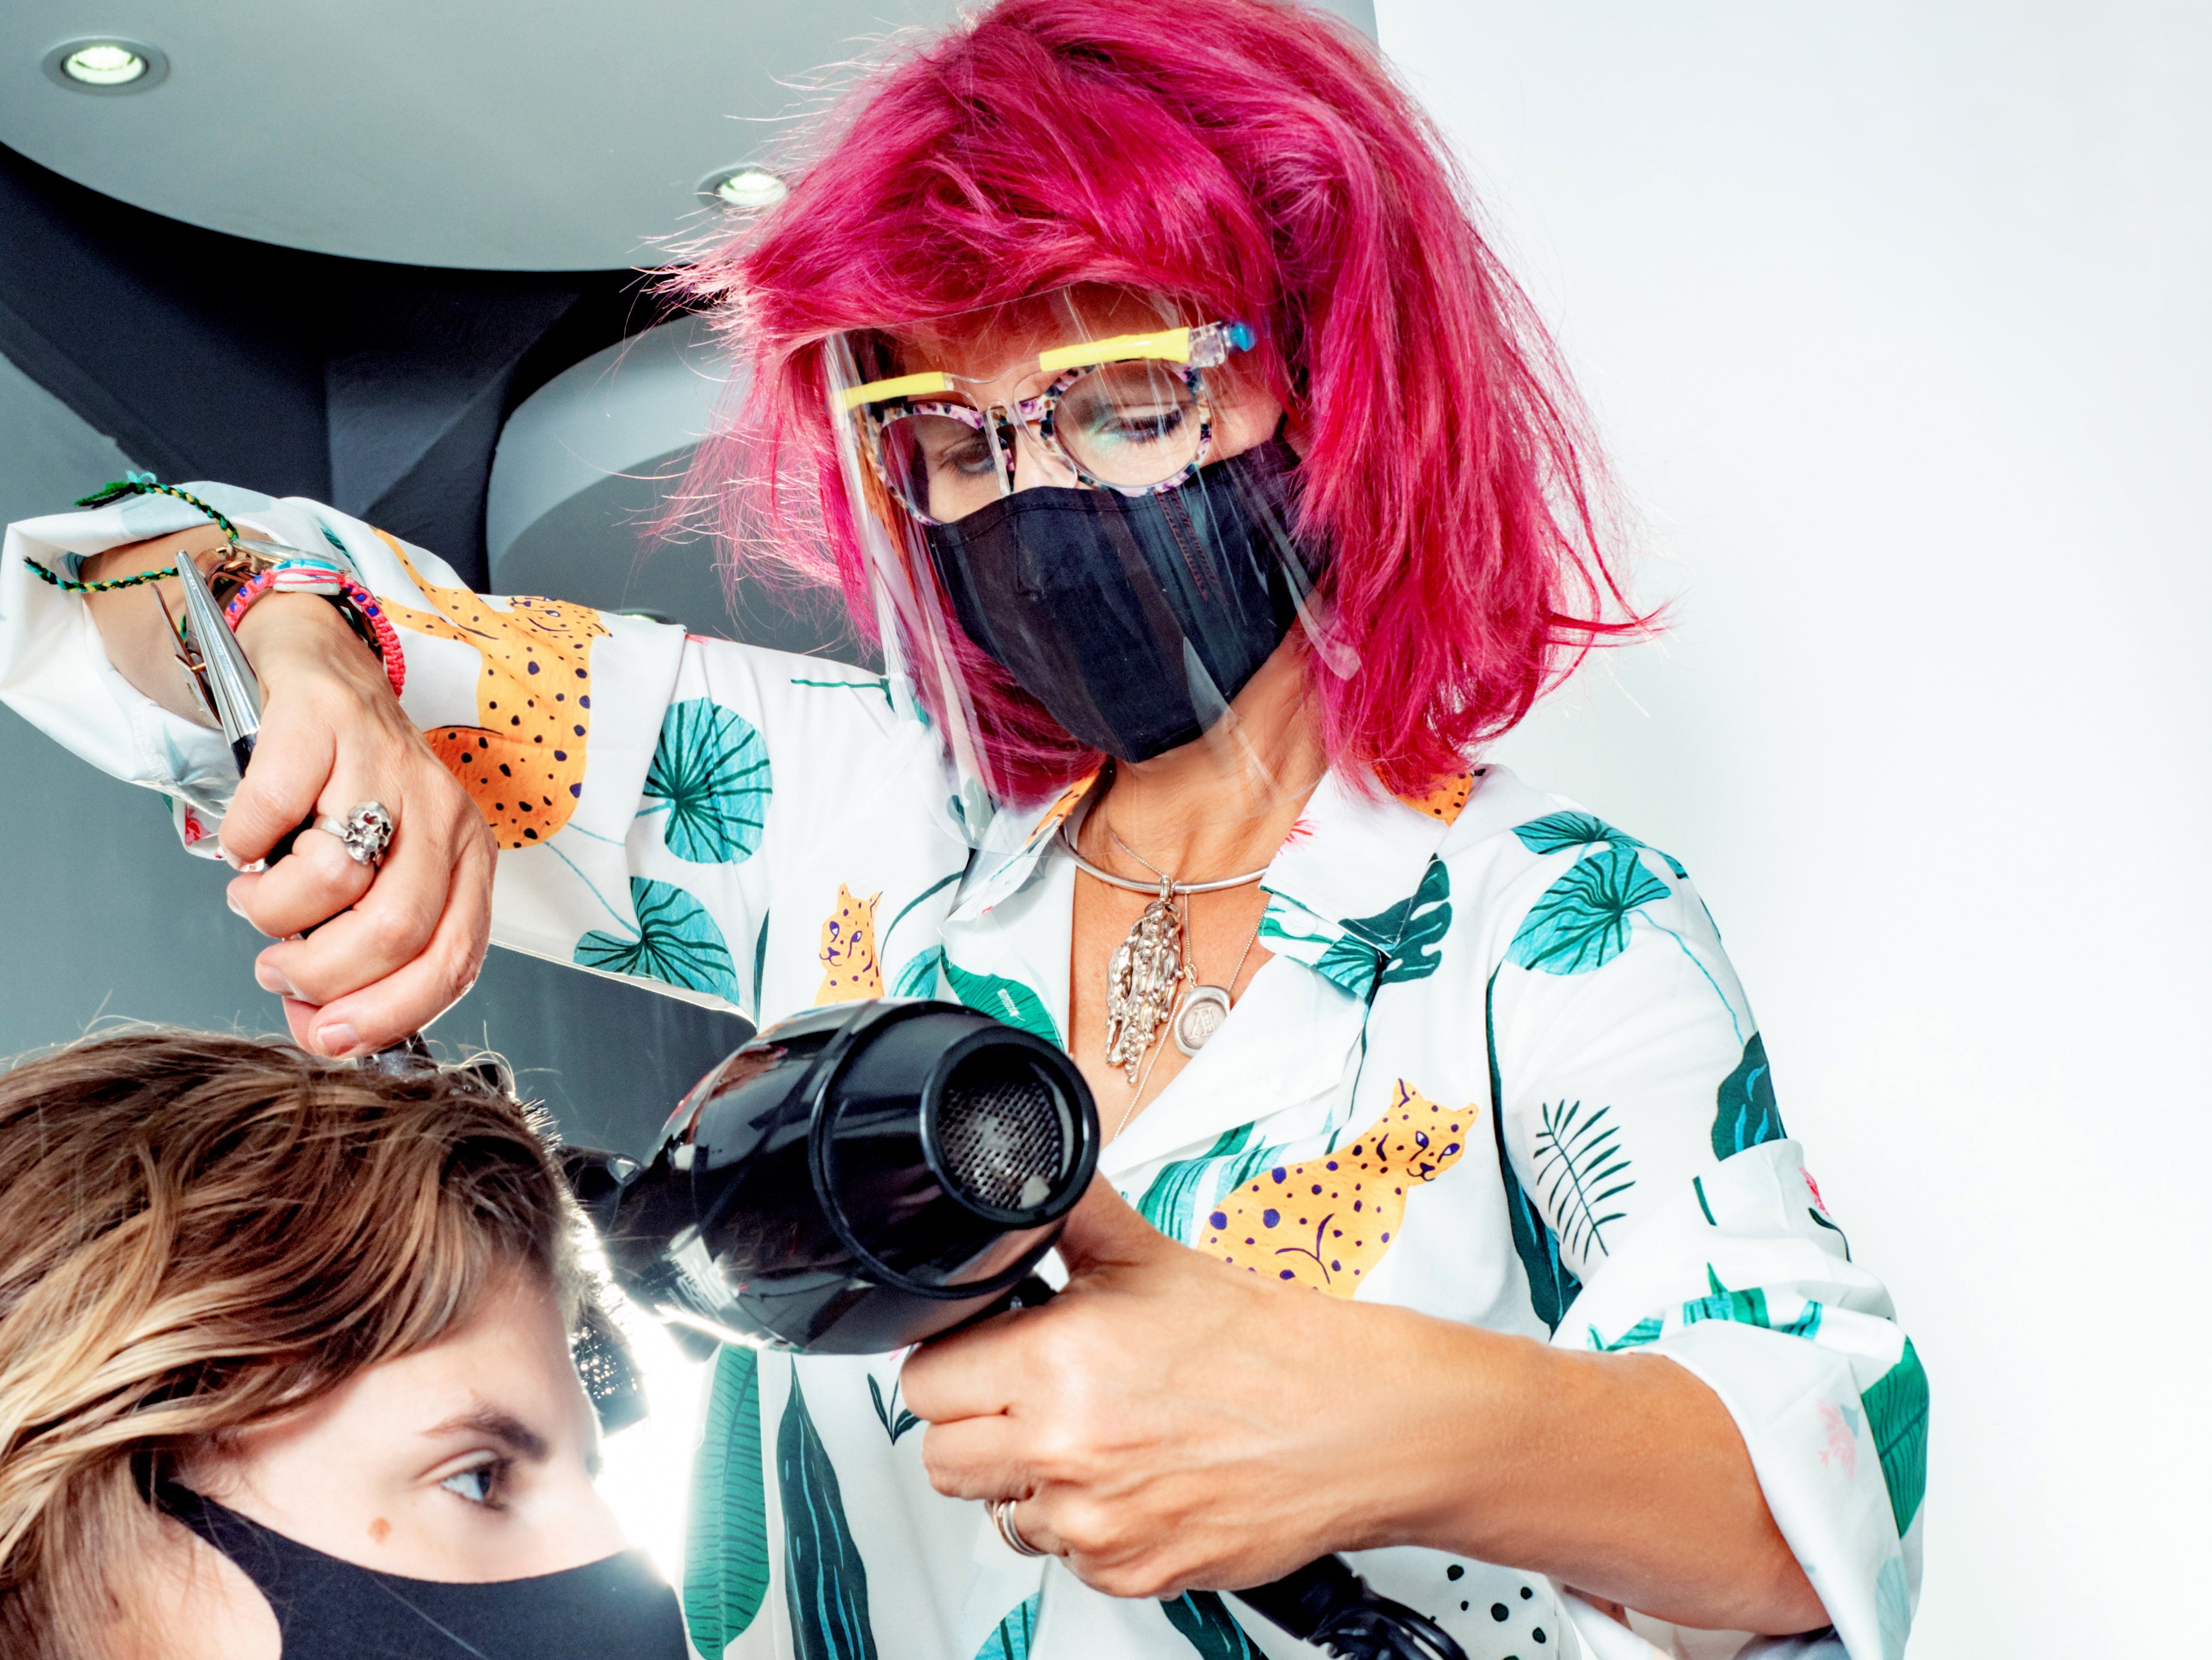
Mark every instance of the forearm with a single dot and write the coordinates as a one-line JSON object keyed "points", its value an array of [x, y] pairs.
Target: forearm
{"points": [[282, 630], [1622, 1475]]}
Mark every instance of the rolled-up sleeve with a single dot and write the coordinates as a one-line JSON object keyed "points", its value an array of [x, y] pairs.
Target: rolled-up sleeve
{"points": [[1642, 1130]]}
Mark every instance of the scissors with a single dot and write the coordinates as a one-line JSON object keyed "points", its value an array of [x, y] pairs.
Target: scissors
{"points": [[223, 681]]}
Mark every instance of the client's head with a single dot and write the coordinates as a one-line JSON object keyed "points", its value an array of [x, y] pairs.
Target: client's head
{"points": [[334, 1301]]}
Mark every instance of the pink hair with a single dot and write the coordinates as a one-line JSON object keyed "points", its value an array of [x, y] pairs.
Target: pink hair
{"points": [[1253, 158]]}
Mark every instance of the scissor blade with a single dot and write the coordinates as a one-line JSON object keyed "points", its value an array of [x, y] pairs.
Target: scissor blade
{"points": [[231, 683]]}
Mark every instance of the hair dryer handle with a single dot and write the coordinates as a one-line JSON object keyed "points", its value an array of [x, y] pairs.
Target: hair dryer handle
{"points": [[1324, 1603]]}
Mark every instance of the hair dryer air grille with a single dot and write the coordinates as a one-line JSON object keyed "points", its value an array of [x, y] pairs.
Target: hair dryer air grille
{"points": [[1003, 1133]]}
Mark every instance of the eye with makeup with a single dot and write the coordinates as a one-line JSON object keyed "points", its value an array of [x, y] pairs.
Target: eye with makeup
{"points": [[482, 1479]]}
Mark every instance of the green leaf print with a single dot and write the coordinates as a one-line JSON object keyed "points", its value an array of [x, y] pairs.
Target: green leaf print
{"points": [[1748, 1308], [1581, 922], [1007, 999], [1204, 1620], [1645, 1330], [824, 1580], [1581, 1169], [919, 978], [1551, 1288], [895, 1418], [760, 963], [677, 943], [1896, 1413], [1746, 1116], [1170, 1203], [1557, 832], [1398, 943], [1011, 1637], [726, 1537], [710, 770]]}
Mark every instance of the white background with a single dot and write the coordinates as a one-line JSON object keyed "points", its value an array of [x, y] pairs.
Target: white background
{"points": [[1895, 319]]}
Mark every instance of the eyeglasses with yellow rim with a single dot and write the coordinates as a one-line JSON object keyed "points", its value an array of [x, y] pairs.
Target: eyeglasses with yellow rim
{"points": [[1128, 413]]}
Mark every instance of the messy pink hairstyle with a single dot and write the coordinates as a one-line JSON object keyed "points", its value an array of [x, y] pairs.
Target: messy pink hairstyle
{"points": [[1254, 160]]}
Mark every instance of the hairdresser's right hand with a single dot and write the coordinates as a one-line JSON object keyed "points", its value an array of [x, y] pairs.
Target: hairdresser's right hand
{"points": [[399, 942]]}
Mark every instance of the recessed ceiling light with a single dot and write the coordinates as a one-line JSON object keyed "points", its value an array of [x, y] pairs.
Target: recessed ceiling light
{"points": [[105, 64], [743, 187]]}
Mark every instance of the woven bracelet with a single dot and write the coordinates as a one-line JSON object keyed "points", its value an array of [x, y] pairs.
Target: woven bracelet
{"points": [[299, 577]]}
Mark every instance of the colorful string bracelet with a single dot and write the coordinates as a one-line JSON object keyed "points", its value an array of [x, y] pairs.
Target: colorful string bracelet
{"points": [[303, 576]]}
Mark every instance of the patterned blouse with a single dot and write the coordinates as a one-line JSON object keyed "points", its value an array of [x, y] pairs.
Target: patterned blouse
{"points": [[1498, 1069]]}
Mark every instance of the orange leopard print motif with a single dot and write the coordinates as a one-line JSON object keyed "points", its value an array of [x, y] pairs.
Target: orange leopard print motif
{"points": [[524, 766], [850, 971], [1444, 800], [1325, 1222]]}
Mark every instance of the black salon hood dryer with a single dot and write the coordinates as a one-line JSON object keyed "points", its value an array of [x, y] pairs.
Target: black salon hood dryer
{"points": [[864, 1177]]}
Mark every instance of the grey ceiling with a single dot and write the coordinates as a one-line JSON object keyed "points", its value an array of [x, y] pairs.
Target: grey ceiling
{"points": [[562, 135]]}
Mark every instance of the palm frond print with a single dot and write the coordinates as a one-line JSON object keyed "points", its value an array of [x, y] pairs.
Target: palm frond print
{"points": [[1580, 1168]]}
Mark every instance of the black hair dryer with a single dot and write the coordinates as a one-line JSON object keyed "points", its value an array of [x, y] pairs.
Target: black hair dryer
{"points": [[864, 1177]]}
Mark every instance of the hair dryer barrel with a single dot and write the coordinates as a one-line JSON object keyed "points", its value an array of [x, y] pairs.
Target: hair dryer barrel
{"points": [[857, 1179]]}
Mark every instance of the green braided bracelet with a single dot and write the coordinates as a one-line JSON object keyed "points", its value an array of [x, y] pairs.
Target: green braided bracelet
{"points": [[136, 483], [68, 586]]}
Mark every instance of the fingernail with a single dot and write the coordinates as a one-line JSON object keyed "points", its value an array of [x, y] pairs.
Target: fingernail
{"points": [[337, 1038], [270, 978], [231, 900]]}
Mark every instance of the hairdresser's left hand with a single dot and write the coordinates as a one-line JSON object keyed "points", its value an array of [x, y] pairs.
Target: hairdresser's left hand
{"points": [[1167, 1421]]}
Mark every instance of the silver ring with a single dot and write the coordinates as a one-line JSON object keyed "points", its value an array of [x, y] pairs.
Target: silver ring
{"points": [[366, 831], [1002, 1513]]}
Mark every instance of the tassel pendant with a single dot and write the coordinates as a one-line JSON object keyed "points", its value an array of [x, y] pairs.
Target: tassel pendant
{"points": [[1141, 982]]}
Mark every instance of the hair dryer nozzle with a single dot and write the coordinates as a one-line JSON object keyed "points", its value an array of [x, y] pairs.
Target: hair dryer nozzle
{"points": [[856, 1179]]}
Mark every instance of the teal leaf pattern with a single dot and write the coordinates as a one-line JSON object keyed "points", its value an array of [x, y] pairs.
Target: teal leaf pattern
{"points": [[677, 943], [760, 963], [1748, 1308], [1400, 942], [1580, 1168], [1206, 1624], [1551, 1287], [1892, 1609], [710, 770], [1645, 1330], [1005, 1000], [1557, 832], [1896, 1413], [919, 978], [1581, 922], [824, 1580], [725, 1536], [1746, 1116], [1011, 1637], [1171, 1202], [895, 1420]]}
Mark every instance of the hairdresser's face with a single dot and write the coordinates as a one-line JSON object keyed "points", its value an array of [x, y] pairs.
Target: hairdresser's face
{"points": [[471, 1460]]}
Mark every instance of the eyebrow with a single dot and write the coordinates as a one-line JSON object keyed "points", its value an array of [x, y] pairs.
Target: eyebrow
{"points": [[505, 1427]]}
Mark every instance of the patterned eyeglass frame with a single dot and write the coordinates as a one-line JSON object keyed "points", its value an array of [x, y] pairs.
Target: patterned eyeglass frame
{"points": [[1197, 348]]}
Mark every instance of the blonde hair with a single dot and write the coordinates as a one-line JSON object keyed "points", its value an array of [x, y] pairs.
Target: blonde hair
{"points": [[197, 1232]]}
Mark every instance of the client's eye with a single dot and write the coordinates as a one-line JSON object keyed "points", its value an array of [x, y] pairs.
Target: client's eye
{"points": [[480, 1484]]}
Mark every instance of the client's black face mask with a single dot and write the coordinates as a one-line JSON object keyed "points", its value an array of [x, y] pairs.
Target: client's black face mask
{"points": [[1131, 619], [329, 1609]]}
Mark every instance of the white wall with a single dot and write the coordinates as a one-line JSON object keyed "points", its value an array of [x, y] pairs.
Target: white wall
{"points": [[1896, 319]]}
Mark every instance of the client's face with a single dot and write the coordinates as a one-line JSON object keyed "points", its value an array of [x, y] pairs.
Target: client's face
{"points": [[471, 1460]]}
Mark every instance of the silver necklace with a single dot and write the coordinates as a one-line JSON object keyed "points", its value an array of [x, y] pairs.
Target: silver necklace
{"points": [[1147, 968]]}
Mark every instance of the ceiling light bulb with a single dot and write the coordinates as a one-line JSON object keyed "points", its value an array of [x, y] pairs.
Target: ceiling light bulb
{"points": [[104, 64], [749, 187]]}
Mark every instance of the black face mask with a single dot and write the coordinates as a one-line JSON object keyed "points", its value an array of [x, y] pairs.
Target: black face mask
{"points": [[328, 1609], [1133, 619]]}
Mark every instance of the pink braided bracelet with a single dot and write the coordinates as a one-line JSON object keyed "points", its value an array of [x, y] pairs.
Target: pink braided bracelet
{"points": [[336, 585]]}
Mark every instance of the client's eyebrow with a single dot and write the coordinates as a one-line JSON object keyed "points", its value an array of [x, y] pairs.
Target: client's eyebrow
{"points": [[518, 1437]]}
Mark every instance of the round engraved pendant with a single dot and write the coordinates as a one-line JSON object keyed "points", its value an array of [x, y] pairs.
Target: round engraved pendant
{"points": [[1203, 1010]]}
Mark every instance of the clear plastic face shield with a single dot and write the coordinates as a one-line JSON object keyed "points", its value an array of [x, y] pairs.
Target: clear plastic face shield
{"points": [[1077, 511]]}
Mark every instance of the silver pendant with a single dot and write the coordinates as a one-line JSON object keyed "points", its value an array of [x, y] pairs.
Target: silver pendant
{"points": [[1140, 982], [1203, 1010]]}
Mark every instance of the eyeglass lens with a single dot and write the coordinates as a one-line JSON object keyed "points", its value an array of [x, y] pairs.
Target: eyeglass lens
{"points": [[1132, 425]]}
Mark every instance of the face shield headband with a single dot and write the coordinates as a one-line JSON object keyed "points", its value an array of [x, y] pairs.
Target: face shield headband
{"points": [[1107, 517]]}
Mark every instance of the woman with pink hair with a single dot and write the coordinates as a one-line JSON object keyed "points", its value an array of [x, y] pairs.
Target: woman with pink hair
{"points": [[1210, 495]]}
